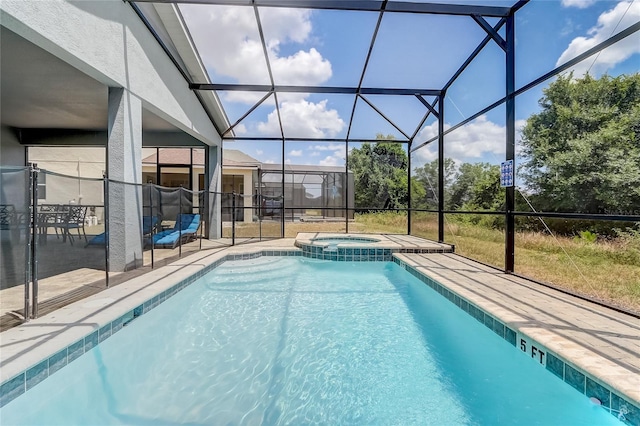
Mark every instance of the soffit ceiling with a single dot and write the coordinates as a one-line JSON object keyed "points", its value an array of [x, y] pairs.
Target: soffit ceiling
{"points": [[41, 91]]}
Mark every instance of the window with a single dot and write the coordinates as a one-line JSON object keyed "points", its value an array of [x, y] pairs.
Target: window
{"points": [[42, 186]]}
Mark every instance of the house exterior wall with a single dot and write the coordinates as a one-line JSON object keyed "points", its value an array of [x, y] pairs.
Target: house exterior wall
{"points": [[11, 152], [87, 163], [248, 184], [107, 40]]}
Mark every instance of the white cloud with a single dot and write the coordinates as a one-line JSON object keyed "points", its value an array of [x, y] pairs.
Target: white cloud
{"points": [[580, 4], [285, 24], [303, 119], [302, 68], [287, 161], [296, 153], [249, 98], [612, 55], [240, 129], [426, 154], [331, 161], [480, 140], [236, 42], [259, 151], [229, 43], [337, 153], [337, 158], [329, 147]]}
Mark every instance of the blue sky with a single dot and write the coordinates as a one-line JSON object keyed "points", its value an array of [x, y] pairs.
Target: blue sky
{"points": [[328, 48]]}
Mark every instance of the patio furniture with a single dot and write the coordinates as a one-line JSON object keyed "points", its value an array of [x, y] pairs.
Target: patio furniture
{"points": [[149, 226], [14, 221], [72, 218], [8, 219], [48, 217], [185, 230]]}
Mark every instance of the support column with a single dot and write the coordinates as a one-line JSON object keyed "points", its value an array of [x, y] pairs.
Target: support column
{"points": [[213, 185], [441, 168], [409, 188], [510, 141], [247, 196], [282, 221], [347, 192], [124, 164]]}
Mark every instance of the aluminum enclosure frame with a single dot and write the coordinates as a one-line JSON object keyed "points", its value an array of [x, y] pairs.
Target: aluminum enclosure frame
{"points": [[435, 109]]}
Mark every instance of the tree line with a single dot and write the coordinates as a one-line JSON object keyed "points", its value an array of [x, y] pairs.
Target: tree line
{"points": [[580, 153]]}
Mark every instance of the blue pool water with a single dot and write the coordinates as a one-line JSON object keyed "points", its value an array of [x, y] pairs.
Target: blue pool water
{"points": [[344, 240], [298, 341]]}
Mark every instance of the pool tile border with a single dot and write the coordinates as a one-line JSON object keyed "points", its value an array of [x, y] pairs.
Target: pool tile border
{"points": [[618, 406], [360, 254]]}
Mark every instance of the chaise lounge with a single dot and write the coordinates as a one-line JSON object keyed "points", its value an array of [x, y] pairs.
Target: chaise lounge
{"points": [[149, 224], [185, 229]]}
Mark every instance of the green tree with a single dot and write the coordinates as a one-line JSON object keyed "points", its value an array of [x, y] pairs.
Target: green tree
{"points": [[582, 151], [380, 174], [477, 187], [469, 187], [485, 192], [418, 194], [427, 175]]}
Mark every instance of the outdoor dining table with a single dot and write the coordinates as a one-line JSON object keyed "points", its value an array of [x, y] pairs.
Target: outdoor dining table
{"points": [[63, 217]]}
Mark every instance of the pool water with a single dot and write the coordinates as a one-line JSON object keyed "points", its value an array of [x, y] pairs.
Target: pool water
{"points": [[338, 240], [298, 341]]}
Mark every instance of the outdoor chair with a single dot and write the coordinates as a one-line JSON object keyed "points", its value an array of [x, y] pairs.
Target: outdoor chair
{"points": [[72, 218], [185, 230], [149, 225], [13, 221], [48, 217], [8, 219]]}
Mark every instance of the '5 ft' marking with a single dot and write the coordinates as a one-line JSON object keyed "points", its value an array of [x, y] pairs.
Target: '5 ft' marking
{"points": [[535, 352]]}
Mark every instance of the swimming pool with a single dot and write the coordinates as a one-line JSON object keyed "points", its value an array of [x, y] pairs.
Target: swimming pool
{"points": [[345, 240], [288, 340], [330, 244]]}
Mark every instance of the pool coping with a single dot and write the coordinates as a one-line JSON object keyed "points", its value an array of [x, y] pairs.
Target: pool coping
{"points": [[382, 246], [70, 331]]}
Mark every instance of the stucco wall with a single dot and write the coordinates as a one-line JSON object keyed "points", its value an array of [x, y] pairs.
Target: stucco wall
{"points": [[11, 152], [247, 176], [74, 163]]}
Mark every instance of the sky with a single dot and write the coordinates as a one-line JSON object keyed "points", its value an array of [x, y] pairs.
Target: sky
{"points": [[329, 48]]}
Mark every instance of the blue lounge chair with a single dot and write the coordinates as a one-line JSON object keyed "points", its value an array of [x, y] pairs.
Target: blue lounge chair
{"points": [[186, 227], [98, 240], [149, 224]]}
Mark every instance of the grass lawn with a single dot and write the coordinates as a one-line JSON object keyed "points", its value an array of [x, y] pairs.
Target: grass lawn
{"points": [[605, 270]]}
